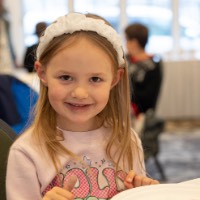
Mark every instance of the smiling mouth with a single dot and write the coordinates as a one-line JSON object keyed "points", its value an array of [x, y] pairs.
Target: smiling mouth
{"points": [[78, 105]]}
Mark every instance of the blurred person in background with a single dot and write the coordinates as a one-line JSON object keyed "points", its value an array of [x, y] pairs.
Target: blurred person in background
{"points": [[145, 74], [29, 58], [7, 56], [145, 70]]}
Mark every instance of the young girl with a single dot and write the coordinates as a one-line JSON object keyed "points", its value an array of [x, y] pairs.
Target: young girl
{"points": [[80, 145]]}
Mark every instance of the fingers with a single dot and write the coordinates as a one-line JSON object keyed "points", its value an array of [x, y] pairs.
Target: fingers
{"points": [[129, 179], [132, 180], [154, 182], [58, 193], [142, 180], [131, 175], [70, 183]]}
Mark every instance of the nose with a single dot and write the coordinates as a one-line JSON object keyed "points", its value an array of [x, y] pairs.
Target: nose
{"points": [[79, 93]]}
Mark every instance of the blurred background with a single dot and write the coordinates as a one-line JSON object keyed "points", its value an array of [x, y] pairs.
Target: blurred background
{"points": [[174, 34], [174, 24]]}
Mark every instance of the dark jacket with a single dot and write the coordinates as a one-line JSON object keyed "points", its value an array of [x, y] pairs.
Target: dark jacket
{"points": [[29, 58], [145, 79]]}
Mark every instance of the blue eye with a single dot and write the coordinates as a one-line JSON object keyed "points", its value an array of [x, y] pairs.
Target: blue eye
{"points": [[66, 77], [96, 79]]}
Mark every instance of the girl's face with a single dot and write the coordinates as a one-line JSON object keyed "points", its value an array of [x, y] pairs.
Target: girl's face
{"points": [[79, 79]]}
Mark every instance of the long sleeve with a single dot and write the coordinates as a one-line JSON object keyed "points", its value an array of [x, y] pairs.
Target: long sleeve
{"points": [[31, 174], [23, 170], [29, 170]]}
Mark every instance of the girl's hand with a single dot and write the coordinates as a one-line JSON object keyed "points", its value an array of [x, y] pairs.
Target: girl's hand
{"points": [[132, 180], [58, 193]]}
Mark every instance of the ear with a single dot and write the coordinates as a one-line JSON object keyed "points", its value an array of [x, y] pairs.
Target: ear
{"points": [[117, 77], [41, 72]]}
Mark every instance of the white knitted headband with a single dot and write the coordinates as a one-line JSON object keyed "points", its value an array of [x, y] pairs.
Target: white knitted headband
{"points": [[76, 22]]}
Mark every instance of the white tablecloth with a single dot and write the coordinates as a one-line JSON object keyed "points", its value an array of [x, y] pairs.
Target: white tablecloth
{"points": [[189, 190]]}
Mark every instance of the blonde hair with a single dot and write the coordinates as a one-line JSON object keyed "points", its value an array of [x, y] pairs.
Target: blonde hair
{"points": [[115, 114]]}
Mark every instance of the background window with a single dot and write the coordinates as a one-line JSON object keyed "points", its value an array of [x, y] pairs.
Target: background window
{"points": [[109, 9], [36, 11], [174, 25], [157, 16], [189, 22]]}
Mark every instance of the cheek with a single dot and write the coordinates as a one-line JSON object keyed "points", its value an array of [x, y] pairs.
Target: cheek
{"points": [[55, 94], [103, 95]]}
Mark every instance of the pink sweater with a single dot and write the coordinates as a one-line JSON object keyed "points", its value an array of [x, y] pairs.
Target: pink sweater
{"points": [[30, 173]]}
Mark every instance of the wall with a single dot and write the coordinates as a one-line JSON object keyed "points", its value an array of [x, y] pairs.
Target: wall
{"points": [[180, 93]]}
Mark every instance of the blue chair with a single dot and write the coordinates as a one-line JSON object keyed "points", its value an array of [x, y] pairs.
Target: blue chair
{"points": [[17, 101]]}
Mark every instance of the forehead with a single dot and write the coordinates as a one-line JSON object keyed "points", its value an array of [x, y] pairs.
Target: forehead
{"points": [[94, 38], [65, 41], [81, 54], [91, 36]]}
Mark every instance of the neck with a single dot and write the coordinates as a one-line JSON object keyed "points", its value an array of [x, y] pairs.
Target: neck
{"points": [[139, 54], [79, 127]]}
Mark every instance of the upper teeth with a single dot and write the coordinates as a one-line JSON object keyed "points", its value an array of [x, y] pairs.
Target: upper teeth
{"points": [[77, 105]]}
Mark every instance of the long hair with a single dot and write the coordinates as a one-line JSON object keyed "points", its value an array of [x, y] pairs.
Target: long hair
{"points": [[116, 113]]}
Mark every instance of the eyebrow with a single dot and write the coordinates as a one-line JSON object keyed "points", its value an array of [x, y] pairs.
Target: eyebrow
{"points": [[64, 72], [88, 74], [97, 74]]}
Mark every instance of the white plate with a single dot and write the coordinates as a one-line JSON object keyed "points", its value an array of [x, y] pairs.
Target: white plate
{"points": [[161, 192]]}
